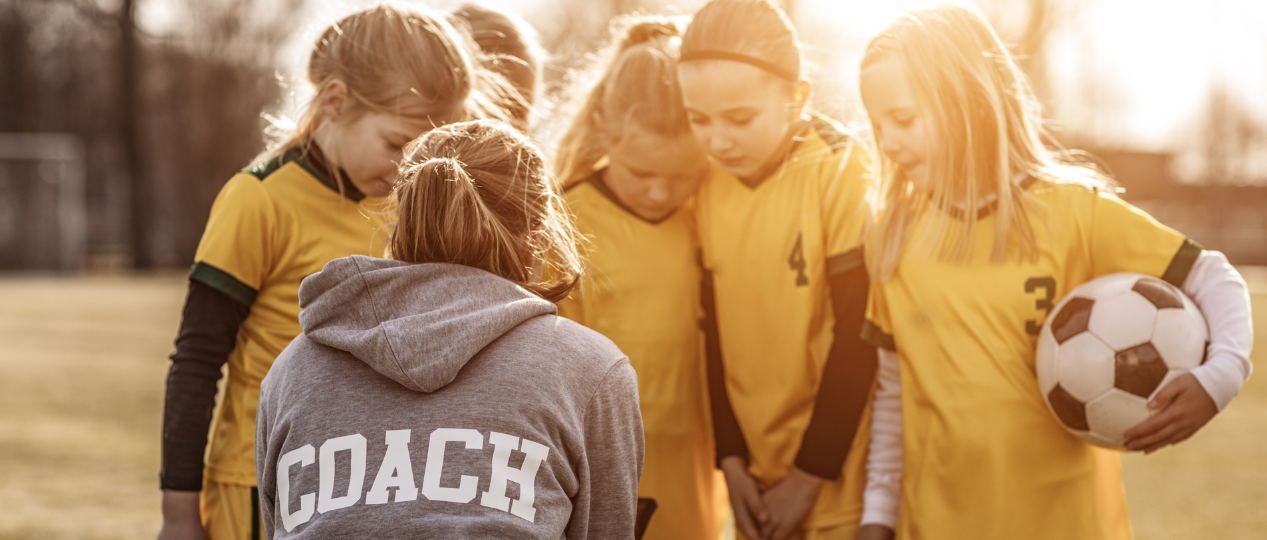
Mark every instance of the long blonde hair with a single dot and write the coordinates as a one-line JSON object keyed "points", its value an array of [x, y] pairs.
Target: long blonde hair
{"points": [[638, 83], [988, 122], [401, 60], [479, 194]]}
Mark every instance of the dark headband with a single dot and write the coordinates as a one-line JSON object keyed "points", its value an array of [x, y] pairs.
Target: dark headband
{"points": [[769, 67]]}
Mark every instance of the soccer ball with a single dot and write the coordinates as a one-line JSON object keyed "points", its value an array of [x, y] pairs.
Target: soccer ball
{"points": [[1109, 346]]}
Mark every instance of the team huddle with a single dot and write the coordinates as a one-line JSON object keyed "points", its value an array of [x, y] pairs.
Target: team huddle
{"points": [[703, 309]]}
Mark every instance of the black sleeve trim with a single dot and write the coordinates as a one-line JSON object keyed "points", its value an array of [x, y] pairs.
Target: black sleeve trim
{"points": [[1182, 263], [871, 333], [728, 438], [255, 513], [224, 282], [646, 507], [208, 333], [847, 380], [844, 262]]}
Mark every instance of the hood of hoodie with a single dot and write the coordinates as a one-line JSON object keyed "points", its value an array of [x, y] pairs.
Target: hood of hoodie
{"points": [[418, 324]]}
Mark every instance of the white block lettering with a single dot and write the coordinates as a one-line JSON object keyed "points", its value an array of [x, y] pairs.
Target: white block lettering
{"points": [[396, 471], [304, 457], [465, 492], [526, 476], [355, 444]]}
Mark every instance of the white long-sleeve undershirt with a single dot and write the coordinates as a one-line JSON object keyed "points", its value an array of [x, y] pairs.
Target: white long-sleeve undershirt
{"points": [[881, 499], [1212, 284]]}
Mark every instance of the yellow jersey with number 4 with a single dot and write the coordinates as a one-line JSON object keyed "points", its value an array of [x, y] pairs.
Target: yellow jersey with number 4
{"points": [[983, 458], [769, 249]]}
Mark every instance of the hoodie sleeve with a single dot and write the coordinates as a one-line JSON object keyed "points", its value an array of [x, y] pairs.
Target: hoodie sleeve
{"points": [[614, 451], [266, 474]]}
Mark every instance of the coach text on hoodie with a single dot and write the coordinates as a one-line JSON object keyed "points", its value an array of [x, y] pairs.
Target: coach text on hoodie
{"points": [[441, 401]]}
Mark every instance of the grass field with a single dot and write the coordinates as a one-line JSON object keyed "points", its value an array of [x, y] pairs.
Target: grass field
{"points": [[82, 370]]}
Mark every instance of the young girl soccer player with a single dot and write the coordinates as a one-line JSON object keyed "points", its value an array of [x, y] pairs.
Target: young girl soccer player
{"points": [[452, 352], [980, 229], [629, 164], [780, 223], [382, 77]]}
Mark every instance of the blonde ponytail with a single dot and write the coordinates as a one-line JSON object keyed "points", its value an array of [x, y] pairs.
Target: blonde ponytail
{"points": [[637, 81], [478, 194]]}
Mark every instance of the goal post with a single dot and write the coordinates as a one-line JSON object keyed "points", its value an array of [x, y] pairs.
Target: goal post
{"points": [[62, 155]]}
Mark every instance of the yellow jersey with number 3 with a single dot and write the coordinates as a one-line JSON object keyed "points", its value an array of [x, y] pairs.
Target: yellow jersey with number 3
{"points": [[769, 248], [641, 290], [983, 457]]}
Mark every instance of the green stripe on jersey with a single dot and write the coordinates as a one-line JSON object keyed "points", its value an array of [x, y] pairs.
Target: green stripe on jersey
{"points": [[221, 281], [844, 262], [873, 335], [1182, 263]]}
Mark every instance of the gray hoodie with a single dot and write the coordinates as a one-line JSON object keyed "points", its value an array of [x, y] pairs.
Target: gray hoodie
{"points": [[441, 401]]}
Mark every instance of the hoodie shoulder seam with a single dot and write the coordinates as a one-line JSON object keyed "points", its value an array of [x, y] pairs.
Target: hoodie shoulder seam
{"points": [[378, 315], [607, 374]]}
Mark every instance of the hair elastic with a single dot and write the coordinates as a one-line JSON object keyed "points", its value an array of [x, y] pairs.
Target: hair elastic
{"points": [[451, 166], [768, 67]]}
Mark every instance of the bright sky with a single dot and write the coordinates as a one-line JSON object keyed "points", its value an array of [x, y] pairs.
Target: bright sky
{"points": [[1151, 62], [1163, 56]]}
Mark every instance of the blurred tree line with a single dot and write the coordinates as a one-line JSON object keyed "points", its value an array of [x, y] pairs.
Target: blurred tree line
{"points": [[166, 116], [164, 120]]}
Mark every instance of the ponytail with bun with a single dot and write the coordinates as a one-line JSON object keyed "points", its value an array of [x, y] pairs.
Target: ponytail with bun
{"points": [[479, 194], [637, 82]]}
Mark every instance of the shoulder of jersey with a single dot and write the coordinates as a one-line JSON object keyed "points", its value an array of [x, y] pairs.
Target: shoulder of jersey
{"points": [[575, 187], [265, 169], [835, 135], [1068, 191]]}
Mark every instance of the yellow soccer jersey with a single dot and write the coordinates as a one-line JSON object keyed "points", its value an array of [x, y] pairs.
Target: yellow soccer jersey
{"points": [[641, 290], [270, 227], [983, 457], [769, 249]]}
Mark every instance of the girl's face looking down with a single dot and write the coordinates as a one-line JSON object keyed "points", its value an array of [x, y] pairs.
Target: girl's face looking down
{"points": [[369, 150], [365, 144], [740, 114], [653, 174], [905, 133]]}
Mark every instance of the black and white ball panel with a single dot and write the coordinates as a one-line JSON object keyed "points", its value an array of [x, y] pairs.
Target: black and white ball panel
{"points": [[1109, 346]]}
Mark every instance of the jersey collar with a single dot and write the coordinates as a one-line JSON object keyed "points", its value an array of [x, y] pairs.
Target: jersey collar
{"points": [[596, 179], [991, 203], [781, 156], [314, 162]]}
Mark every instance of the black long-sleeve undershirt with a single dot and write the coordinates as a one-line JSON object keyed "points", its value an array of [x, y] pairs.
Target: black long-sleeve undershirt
{"points": [[843, 392], [208, 333], [728, 439], [847, 378]]}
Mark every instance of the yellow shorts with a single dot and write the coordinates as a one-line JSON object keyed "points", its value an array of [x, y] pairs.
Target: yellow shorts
{"points": [[231, 512]]}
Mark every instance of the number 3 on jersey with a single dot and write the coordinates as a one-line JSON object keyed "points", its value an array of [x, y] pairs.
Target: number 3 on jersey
{"points": [[1048, 285], [797, 262]]}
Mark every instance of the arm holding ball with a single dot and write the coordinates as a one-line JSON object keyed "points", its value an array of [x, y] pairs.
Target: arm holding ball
{"points": [[1189, 402]]}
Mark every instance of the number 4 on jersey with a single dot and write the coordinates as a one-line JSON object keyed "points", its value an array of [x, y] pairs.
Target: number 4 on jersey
{"points": [[797, 262]]}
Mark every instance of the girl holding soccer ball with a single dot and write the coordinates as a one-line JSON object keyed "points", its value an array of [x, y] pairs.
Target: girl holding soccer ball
{"points": [[979, 227]]}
